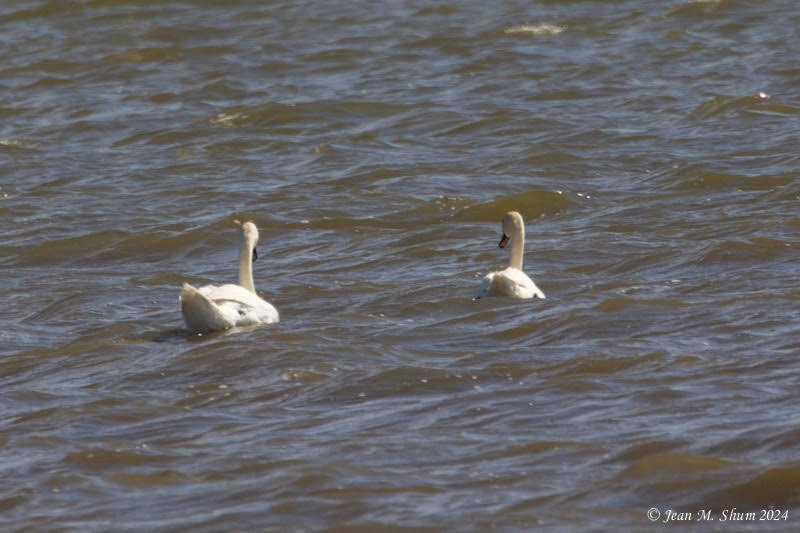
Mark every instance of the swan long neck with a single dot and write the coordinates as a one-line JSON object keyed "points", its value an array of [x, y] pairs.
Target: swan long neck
{"points": [[517, 247], [246, 265]]}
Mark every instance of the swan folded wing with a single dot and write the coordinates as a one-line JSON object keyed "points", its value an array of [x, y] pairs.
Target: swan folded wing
{"points": [[520, 285], [201, 313], [244, 306], [230, 293], [510, 282], [212, 308]]}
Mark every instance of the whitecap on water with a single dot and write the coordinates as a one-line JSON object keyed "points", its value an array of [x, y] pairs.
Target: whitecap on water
{"points": [[228, 119], [534, 30], [15, 143]]}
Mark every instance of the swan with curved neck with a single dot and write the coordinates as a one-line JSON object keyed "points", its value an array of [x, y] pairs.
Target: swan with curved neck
{"points": [[512, 281], [212, 308]]}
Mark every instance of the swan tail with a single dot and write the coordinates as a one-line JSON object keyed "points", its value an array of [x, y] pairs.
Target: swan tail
{"points": [[483, 290], [200, 313]]}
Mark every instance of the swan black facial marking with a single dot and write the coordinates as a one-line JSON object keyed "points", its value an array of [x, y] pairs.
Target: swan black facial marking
{"points": [[255, 254]]}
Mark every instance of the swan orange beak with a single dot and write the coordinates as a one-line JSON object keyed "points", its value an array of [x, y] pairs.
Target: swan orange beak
{"points": [[503, 241]]}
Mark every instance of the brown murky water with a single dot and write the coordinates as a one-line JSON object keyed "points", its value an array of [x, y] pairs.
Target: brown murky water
{"points": [[652, 147]]}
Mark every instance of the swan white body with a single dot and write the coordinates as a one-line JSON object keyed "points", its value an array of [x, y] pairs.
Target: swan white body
{"points": [[212, 308], [511, 281]]}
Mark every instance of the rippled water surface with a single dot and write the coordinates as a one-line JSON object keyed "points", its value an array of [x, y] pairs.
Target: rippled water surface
{"points": [[652, 147]]}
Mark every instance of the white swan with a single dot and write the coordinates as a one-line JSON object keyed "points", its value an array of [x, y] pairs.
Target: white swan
{"points": [[512, 281], [213, 308]]}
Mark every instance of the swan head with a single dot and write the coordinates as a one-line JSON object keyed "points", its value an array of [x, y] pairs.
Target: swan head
{"points": [[512, 225], [250, 236]]}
